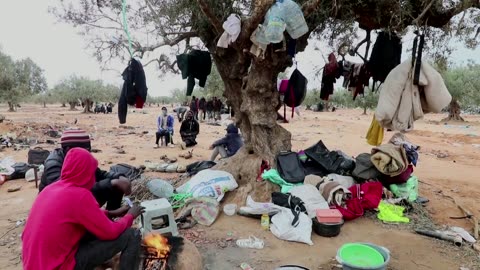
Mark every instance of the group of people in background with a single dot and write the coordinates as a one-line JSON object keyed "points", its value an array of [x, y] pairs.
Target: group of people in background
{"points": [[203, 109], [190, 127]]}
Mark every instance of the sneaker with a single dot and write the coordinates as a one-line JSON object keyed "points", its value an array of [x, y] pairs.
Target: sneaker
{"points": [[171, 146], [156, 146]]}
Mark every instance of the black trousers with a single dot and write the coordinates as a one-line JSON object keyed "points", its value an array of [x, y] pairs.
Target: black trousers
{"points": [[163, 133], [104, 193], [93, 252]]}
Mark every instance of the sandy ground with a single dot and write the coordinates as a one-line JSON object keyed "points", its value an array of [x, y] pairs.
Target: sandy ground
{"points": [[454, 172]]}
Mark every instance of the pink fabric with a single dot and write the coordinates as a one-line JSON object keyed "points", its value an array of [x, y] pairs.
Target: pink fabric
{"points": [[61, 215], [283, 87], [399, 179], [365, 196]]}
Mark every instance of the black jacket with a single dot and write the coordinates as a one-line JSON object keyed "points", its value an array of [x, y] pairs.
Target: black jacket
{"points": [[53, 168], [202, 104], [134, 90], [195, 65], [189, 128]]}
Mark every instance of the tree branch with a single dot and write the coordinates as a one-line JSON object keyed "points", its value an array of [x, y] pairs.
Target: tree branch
{"points": [[415, 22], [310, 6], [217, 25]]}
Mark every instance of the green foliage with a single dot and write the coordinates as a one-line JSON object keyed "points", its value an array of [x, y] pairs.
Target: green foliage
{"points": [[312, 98], [464, 84], [344, 98], [20, 79], [74, 89]]}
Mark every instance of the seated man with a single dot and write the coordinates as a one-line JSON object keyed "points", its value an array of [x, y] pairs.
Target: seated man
{"points": [[228, 145], [108, 188], [189, 130], [165, 128], [66, 228]]}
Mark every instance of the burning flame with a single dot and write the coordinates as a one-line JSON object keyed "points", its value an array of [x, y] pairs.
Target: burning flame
{"points": [[157, 244]]}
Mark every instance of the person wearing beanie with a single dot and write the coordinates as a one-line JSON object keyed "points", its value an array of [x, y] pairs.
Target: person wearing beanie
{"points": [[165, 128], [228, 145], [109, 188]]}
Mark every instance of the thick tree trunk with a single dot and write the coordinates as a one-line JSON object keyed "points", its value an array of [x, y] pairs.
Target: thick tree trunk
{"points": [[88, 106], [365, 110], [64, 105], [11, 107], [72, 106], [252, 93], [44, 104], [454, 111]]}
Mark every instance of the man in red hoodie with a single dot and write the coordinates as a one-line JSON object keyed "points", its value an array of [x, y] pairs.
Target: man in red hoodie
{"points": [[65, 212]]}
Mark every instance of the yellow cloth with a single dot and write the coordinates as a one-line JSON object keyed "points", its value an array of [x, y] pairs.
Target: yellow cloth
{"points": [[391, 213], [375, 133]]}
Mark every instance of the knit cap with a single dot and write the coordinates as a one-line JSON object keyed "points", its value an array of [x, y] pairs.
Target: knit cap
{"points": [[75, 138]]}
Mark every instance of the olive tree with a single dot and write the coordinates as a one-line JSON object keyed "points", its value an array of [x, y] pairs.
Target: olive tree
{"points": [[250, 82], [19, 80]]}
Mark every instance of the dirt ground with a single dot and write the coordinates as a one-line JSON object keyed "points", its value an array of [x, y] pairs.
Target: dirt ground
{"points": [[449, 165]]}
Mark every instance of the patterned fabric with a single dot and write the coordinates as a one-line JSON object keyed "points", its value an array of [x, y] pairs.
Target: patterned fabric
{"points": [[74, 136]]}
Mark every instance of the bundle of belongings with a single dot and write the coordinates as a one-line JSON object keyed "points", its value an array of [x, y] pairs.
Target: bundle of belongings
{"points": [[283, 15], [401, 102], [134, 90], [195, 65], [320, 179]]}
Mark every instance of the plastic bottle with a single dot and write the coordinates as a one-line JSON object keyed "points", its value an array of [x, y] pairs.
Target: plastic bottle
{"points": [[265, 222]]}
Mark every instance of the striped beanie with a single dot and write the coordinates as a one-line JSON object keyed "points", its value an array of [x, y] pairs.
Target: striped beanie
{"points": [[75, 138]]}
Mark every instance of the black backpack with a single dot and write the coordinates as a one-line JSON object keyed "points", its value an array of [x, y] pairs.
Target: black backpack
{"points": [[290, 167], [296, 91]]}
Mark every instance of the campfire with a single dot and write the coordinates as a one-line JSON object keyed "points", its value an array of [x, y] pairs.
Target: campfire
{"points": [[161, 251]]}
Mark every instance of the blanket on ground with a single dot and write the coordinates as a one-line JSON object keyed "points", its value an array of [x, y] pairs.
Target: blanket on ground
{"points": [[390, 159]]}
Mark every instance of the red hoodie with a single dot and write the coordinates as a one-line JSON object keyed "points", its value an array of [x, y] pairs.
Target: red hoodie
{"points": [[61, 215]]}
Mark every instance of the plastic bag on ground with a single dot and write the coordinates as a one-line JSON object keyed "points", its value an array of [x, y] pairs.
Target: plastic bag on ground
{"points": [[209, 183], [282, 227], [274, 177], [312, 199], [6, 166], [160, 188], [30, 174], [258, 208], [408, 190]]}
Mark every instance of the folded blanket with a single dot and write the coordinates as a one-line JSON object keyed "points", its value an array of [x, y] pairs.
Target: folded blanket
{"points": [[333, 192], [390, 159]]}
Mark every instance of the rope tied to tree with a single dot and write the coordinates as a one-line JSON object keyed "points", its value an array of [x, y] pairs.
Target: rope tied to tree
{"points": [[125, 26]]}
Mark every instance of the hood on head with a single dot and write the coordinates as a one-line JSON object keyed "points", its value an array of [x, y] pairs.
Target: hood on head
{"points": [[189, 114], [79, 168], [232, 129]]}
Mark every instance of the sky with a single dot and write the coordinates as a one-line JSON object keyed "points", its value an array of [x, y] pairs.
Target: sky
{"points": [[28, 30]]}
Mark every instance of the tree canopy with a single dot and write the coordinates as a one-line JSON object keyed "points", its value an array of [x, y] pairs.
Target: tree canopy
{"points": [[19, 79]]}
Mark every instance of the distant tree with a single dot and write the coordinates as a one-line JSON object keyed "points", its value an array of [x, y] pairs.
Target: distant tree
{"points": [[463, 84], [20, 79], [73, 90]]}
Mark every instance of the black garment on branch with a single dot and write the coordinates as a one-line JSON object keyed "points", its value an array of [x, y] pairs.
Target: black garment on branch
{"points": [[134, 90], [386, 55], [195, 65]]}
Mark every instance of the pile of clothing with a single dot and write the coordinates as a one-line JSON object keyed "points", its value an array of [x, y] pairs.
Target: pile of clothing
{"points": [[326, 179]]}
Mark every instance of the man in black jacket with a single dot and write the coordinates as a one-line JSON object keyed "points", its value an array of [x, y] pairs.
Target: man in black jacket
{"points": [[189, 130], [109, 188]]}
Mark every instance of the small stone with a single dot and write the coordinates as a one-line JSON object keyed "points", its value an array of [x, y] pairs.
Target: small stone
{"points": [[133, 158]]}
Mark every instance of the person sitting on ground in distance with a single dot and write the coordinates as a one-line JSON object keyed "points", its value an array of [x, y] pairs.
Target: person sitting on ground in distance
{"points": [[165, 128], [67, 229], [228, 145], [108, 188], [189, 130], [180, 112]]}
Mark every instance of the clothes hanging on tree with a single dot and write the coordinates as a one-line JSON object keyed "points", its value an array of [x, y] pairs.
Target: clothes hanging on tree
{"points": [[296, 90], [359, 78], [134, 90], [386, 55], [330, 75], [195, 65], [347, 68], [232, 27]]}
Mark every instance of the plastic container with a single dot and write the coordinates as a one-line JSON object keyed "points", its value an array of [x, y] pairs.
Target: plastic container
{"points": [[329, 216], [326, 229], [265, 222], [230, 209], [368, 254]]}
